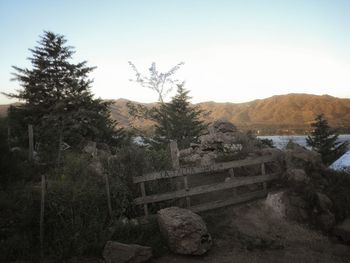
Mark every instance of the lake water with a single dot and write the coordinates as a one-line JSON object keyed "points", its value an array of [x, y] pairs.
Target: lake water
{"points": [[280, 141]]}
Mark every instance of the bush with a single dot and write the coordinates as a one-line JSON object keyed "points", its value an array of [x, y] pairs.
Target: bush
{"points": [[334, 184], [77, 221], [19, 228], [338, 191]]}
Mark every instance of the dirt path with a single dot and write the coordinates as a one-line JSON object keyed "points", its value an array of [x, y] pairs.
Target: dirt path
{"points": [[259, 233]]}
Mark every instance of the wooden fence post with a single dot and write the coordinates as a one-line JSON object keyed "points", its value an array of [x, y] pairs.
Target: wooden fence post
{"points": [[31, 141], [232, 176], [143, 194], [263, 172], [9, 137], [188, 200], [174, 151], [42, 214]]}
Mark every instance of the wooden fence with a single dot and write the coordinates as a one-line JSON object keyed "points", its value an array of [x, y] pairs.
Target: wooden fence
{"points": [[187, 192]]}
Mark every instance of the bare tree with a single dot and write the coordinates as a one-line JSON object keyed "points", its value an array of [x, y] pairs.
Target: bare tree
{"points": [[160, 82]]}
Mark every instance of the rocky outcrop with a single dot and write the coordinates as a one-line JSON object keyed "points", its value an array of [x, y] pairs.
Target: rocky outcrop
{"points": [[295, 207], [115, 252], [296, 176], [343, 230], [185, 231], [297, 156], [221, 138]]}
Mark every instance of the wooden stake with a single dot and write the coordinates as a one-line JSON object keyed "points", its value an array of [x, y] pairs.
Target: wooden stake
{"points": [[263, 172], [60, 141], [174, 151], [42, 213], [9, 137], [31, 141], [188, 200], [108, 196], [232, 176], [143, 193]]}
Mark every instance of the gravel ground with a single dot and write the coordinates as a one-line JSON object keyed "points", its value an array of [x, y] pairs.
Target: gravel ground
{"points": [[258, 232]]}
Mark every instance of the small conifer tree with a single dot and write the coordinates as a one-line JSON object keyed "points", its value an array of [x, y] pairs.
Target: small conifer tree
{"points": [[179, 120], [323, 140]]}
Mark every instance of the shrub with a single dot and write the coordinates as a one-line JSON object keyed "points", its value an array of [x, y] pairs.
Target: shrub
{"points": [[19, 217]]}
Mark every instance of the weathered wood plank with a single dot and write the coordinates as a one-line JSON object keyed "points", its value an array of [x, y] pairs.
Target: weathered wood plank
{"points": [[203, 169], [230, 201], [205, 189]]}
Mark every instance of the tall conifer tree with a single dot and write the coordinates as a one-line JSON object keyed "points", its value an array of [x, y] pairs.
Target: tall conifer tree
{"points": [[57, 96]]}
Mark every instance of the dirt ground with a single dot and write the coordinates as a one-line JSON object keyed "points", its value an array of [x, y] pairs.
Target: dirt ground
{"points": [[258, 232]]}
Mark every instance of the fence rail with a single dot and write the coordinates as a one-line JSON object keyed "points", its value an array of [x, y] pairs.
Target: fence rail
{"points": [[187, 192]]}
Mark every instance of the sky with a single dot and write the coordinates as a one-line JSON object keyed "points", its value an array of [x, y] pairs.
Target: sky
{"points": [[234, 51]]}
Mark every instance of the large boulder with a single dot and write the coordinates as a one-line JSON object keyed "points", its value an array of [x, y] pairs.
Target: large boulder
{"points": [[185, 231], [324, 203], [296, 176], [326, 221], [115, 252], [295, 207], [297, 156], [343, 230]]}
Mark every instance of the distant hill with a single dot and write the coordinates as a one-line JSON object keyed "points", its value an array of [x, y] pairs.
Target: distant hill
{"points": [[280, 114], [283, 114]]}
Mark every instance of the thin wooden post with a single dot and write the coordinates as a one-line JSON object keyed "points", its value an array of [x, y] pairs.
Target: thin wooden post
{"points": [[31, 141], [60, 141], [109, 203], [108, 196], [188, 199], [143, 193], [263, 172], [174, 151], [9, 137], [232, 176], [42, 214]]}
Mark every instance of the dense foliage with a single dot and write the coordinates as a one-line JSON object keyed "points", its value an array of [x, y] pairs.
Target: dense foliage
{"points": [[178, 120], [58, 100], [323, 139]]}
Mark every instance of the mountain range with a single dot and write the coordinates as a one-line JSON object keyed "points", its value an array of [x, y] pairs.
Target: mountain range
{"points": [[280, 114]]}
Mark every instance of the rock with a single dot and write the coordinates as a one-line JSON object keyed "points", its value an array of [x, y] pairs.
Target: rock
{"points": [[297, 156], [295, 207], [343, 230], [185, 231], [96, 167], [115, 252], [326, 221], [224, 126], [324, 203], [297, 176], [297, 201], [90, 148], [340, 250], [208, 159], [194, 159]]}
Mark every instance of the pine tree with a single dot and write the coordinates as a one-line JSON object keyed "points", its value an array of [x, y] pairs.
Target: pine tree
{"points": [[323, 140], [57, 96], [178, 120]]}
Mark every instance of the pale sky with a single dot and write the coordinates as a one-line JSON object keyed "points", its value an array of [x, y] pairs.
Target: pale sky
{"points": [[234, 51]]}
